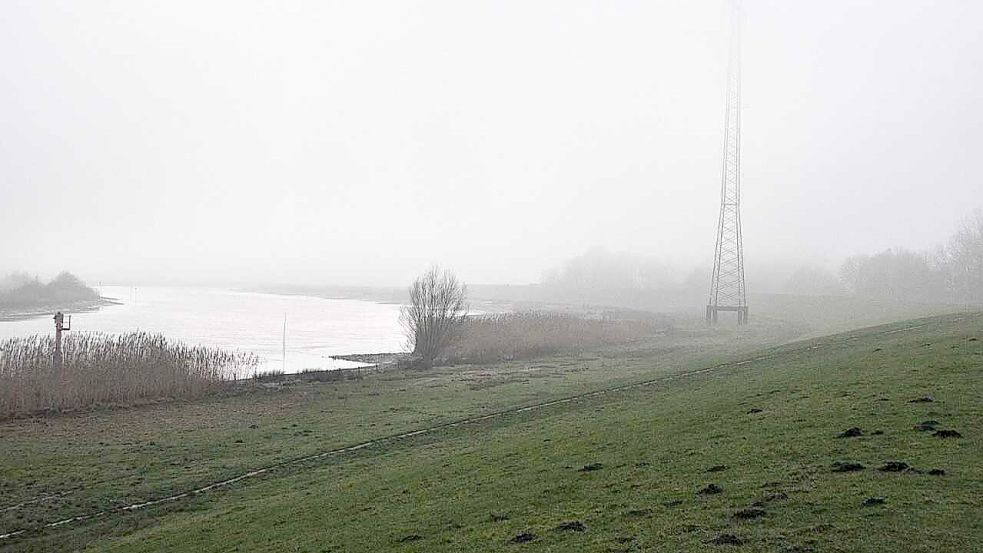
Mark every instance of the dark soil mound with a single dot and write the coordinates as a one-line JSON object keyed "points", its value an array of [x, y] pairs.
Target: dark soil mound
{"points": [[409, 538], [847, 466], [571, 526], [923, 399], [752, 411], [872, 501], [850, 433], [717, 468], [524, 537], [591, 467], [937, 472], [894, 466], [710, 489], [947, 434], [726, 539], [749, 513]]}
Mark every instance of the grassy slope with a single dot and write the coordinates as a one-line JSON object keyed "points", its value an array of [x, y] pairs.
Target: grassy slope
{"points": [[473, 488], [828, 314], [109, 459]]}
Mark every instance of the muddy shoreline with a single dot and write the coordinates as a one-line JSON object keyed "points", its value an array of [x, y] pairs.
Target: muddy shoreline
{"points": [[20, 314], [373, 358]]}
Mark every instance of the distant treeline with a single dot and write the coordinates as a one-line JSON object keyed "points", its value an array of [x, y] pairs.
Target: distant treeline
{"points": [[951, 273], [603, 277], [21, 291]]}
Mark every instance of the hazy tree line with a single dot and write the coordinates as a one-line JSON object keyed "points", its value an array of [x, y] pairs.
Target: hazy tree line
{"points": [[604, 277], [952, 273], [19, 290]]}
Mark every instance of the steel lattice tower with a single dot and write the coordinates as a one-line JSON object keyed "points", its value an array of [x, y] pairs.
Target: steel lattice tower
{"points": [[727, 291]]}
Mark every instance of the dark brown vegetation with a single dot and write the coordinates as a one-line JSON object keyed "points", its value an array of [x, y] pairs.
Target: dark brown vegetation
{"points": [[508, 336], [109, 370]]}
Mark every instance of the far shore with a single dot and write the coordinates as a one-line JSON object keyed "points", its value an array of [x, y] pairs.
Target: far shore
{"points": [[372, 358], [34, 312]]}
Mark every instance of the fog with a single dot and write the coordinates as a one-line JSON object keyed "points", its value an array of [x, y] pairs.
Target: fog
{"points": [[359, 142]]}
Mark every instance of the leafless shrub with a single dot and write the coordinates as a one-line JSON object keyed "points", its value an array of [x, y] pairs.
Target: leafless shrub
{"points": [[506, 336], [962, 261], [100, 369], [437, 306]]}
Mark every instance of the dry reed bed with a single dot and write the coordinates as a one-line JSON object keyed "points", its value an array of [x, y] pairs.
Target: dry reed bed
{"points": [[507, 336], [99, 369]]}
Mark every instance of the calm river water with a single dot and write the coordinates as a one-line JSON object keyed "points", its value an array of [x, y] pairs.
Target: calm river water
{"points": [[316, 328]]}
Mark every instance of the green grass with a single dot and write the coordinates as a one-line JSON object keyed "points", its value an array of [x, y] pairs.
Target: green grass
{"points": [[475, 487], [824, 315]]}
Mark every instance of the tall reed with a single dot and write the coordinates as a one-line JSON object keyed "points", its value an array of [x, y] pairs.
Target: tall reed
{"points": [[506, 336], [110, 370]]}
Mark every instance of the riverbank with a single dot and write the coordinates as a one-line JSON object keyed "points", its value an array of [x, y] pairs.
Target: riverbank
{"points": [[121, 456], [376, 359], [49, 309]]}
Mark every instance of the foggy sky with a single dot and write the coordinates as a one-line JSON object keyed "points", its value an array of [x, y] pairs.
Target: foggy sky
{"points": [[358, 142]]}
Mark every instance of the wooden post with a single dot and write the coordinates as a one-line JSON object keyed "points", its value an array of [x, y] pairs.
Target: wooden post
{"points": [[59, 327]]}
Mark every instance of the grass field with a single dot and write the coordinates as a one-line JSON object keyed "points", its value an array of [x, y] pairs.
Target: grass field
{"points": [[619, 471]]}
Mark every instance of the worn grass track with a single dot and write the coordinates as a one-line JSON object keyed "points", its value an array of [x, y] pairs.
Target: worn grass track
{"points": [[475, 487]]}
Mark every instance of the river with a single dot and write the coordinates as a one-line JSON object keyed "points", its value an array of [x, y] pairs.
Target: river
{"points": [[316, 328]]}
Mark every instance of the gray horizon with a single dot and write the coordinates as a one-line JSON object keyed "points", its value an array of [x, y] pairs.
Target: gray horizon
{"points": [[359, 143]]}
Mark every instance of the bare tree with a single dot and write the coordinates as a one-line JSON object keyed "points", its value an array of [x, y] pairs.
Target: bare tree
{"points": [[437, 306], [963, 260]]}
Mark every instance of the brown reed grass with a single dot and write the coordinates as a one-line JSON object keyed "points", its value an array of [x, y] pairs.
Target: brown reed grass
{"points": [[522, 335], [116, 370]]}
